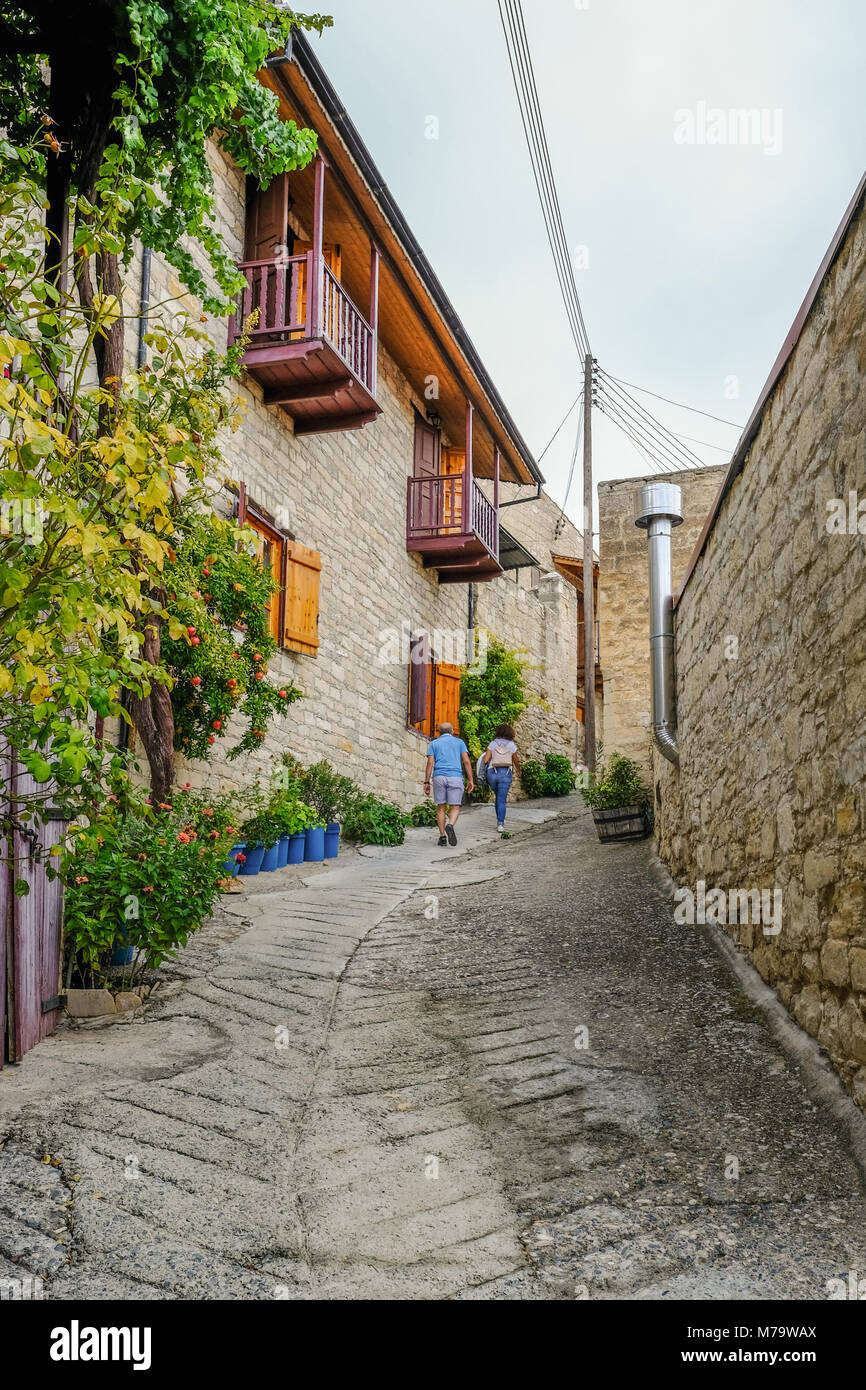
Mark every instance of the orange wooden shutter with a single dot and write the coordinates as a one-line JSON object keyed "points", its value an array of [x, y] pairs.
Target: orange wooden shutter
{"points": [[447, 700], [454, 463], [301, 626]]}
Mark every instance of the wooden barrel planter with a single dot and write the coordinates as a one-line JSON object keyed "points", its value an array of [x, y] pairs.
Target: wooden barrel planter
{"points": [[622, 823]]}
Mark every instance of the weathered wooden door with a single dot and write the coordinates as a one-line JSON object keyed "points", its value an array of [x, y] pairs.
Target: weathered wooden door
{"points": [[454, 464], [31, 936], [428, 453]]}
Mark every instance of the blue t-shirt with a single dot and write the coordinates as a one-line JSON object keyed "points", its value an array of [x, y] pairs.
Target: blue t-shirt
{"points": [[447, 751]]}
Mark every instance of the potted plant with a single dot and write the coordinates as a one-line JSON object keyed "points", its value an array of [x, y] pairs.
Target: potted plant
{"points": [[330, 794], [293, 818], [619, 800], [262, 833]]}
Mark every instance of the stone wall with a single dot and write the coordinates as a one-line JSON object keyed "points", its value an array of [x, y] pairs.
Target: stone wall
{"points": [[771, 683], [344, 495], [623, 599]]}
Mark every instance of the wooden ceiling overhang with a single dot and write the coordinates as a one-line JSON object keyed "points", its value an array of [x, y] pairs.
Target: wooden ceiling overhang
{"points": [[571, 568], [418, 326]]}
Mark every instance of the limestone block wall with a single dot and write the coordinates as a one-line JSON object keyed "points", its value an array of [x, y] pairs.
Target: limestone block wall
{"points": [[771, 682], [623, 599], [344, 495]]}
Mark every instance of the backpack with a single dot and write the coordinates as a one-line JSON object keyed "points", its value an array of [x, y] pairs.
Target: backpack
{"points": [[481, 772]]}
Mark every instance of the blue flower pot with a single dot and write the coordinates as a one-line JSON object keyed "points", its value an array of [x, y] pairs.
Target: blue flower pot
{"points": [[314, 849], [296, 848], [122, 953], [255, 856], [332, 839], [283, 847], [231, 866], [271, 860]]}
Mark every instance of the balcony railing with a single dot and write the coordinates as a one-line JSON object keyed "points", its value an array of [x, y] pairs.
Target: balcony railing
{"points": [[297, 304], [436, 512]]}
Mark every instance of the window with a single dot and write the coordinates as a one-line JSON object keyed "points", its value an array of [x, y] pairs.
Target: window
{"points": [[293, 610], [269, 550], [434, 689]]}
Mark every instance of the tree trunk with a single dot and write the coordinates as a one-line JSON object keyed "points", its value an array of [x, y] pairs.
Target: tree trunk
{"points": [[154, 719]]}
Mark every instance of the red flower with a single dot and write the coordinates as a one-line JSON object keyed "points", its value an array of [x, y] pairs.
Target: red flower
{"points": [[236, 655], [82, 878], [194, 641], [232, 685], [183, 838], [260, 675], [257, 657], [191, 631], [211, 739], [147, 890], [241, 858], [186, 786], [205, 570], [206, 811], [284, 694], [196, 680], [217, 723]]}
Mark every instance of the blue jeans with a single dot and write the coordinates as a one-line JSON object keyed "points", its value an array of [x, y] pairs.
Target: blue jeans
{"points": [[500, 780]]}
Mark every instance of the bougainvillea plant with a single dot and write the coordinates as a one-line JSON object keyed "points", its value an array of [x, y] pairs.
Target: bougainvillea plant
{"points": [[217, 592]]}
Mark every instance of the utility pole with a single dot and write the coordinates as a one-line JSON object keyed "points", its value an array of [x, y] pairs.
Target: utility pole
{"points": [[588, 571]]}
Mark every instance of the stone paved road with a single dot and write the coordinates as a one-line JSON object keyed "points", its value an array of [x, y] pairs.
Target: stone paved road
{"points": [[375, 1091]]}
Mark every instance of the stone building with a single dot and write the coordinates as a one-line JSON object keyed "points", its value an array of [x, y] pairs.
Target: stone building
{"points": [[623, 603], [770, 642], [372, 459]]}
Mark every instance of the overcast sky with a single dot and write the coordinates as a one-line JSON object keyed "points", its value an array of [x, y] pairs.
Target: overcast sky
{"points": [[699, 254]]}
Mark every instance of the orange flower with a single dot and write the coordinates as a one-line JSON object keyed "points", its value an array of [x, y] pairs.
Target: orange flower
{"points": [[183, 837]]}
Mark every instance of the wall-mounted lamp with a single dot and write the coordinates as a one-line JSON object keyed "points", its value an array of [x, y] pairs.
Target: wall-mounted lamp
{"points": [[434, 419]]}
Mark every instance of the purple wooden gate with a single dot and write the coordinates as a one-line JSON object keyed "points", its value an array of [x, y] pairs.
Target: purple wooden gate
{"points": [[31, 935]]}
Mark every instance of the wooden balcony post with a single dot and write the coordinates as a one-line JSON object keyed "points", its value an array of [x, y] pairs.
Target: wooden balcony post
{"points": [[314, 306], [374, 315], [467, 474], [497, 461]]}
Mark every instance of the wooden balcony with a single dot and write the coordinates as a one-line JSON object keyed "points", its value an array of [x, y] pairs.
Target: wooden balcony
{"points": [[311, 349], [461, 543]]}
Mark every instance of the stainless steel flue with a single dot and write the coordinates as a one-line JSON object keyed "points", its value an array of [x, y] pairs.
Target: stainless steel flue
{"points": [[659, 509]]}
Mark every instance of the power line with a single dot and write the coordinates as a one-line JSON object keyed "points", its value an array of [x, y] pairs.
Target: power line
{"points": [[559, 427], [680, 404], [658, 433], [520, 60], [655, 459]]}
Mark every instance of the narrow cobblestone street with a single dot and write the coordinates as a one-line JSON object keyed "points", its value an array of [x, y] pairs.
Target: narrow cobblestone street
{"points": [[500, 1072]]}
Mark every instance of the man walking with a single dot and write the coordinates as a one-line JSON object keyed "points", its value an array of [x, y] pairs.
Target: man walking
{"points": [[447, 756]]}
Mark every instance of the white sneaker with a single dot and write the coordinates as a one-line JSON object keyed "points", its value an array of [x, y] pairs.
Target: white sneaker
{"points": [[500, 828]]}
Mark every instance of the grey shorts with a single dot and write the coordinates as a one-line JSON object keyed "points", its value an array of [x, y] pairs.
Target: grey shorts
{"points": [[448, 791]]}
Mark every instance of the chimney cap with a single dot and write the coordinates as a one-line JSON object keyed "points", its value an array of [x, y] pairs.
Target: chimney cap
{"points": [[659, 500]]}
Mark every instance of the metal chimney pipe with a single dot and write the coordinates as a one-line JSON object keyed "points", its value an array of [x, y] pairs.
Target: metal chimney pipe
{"points": [[659, 509]]}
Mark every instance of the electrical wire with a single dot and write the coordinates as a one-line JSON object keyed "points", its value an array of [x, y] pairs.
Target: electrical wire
{"points": [[520, 60], [657, 433], [559, 427], [645, 390]]}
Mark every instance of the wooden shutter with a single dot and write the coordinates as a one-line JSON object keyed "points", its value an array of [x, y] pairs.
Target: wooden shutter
{"points": [[268, 220], [425, 496], [447, 698], [420, 685], [301, 623], [453, 463]]}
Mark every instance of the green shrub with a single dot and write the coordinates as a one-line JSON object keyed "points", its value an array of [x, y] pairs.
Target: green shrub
{"points": [[423, 815], [532, 775], [152, 879], [553, 777], [372, 821], [262, 829], [290, 815], [496, 695], [617, 783], [559, 776], [329, 792]]}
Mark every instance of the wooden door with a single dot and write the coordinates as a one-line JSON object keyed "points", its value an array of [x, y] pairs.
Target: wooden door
{"points": [[31, 927], [268, 221], [454, 464], [333, 256], [447, 695], [428, 446]]}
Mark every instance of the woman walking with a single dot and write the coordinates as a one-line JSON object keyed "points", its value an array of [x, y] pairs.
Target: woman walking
{"points": [[502, 761]]}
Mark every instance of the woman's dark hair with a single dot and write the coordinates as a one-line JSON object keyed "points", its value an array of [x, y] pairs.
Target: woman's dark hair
{"points": [[504, 731]]}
